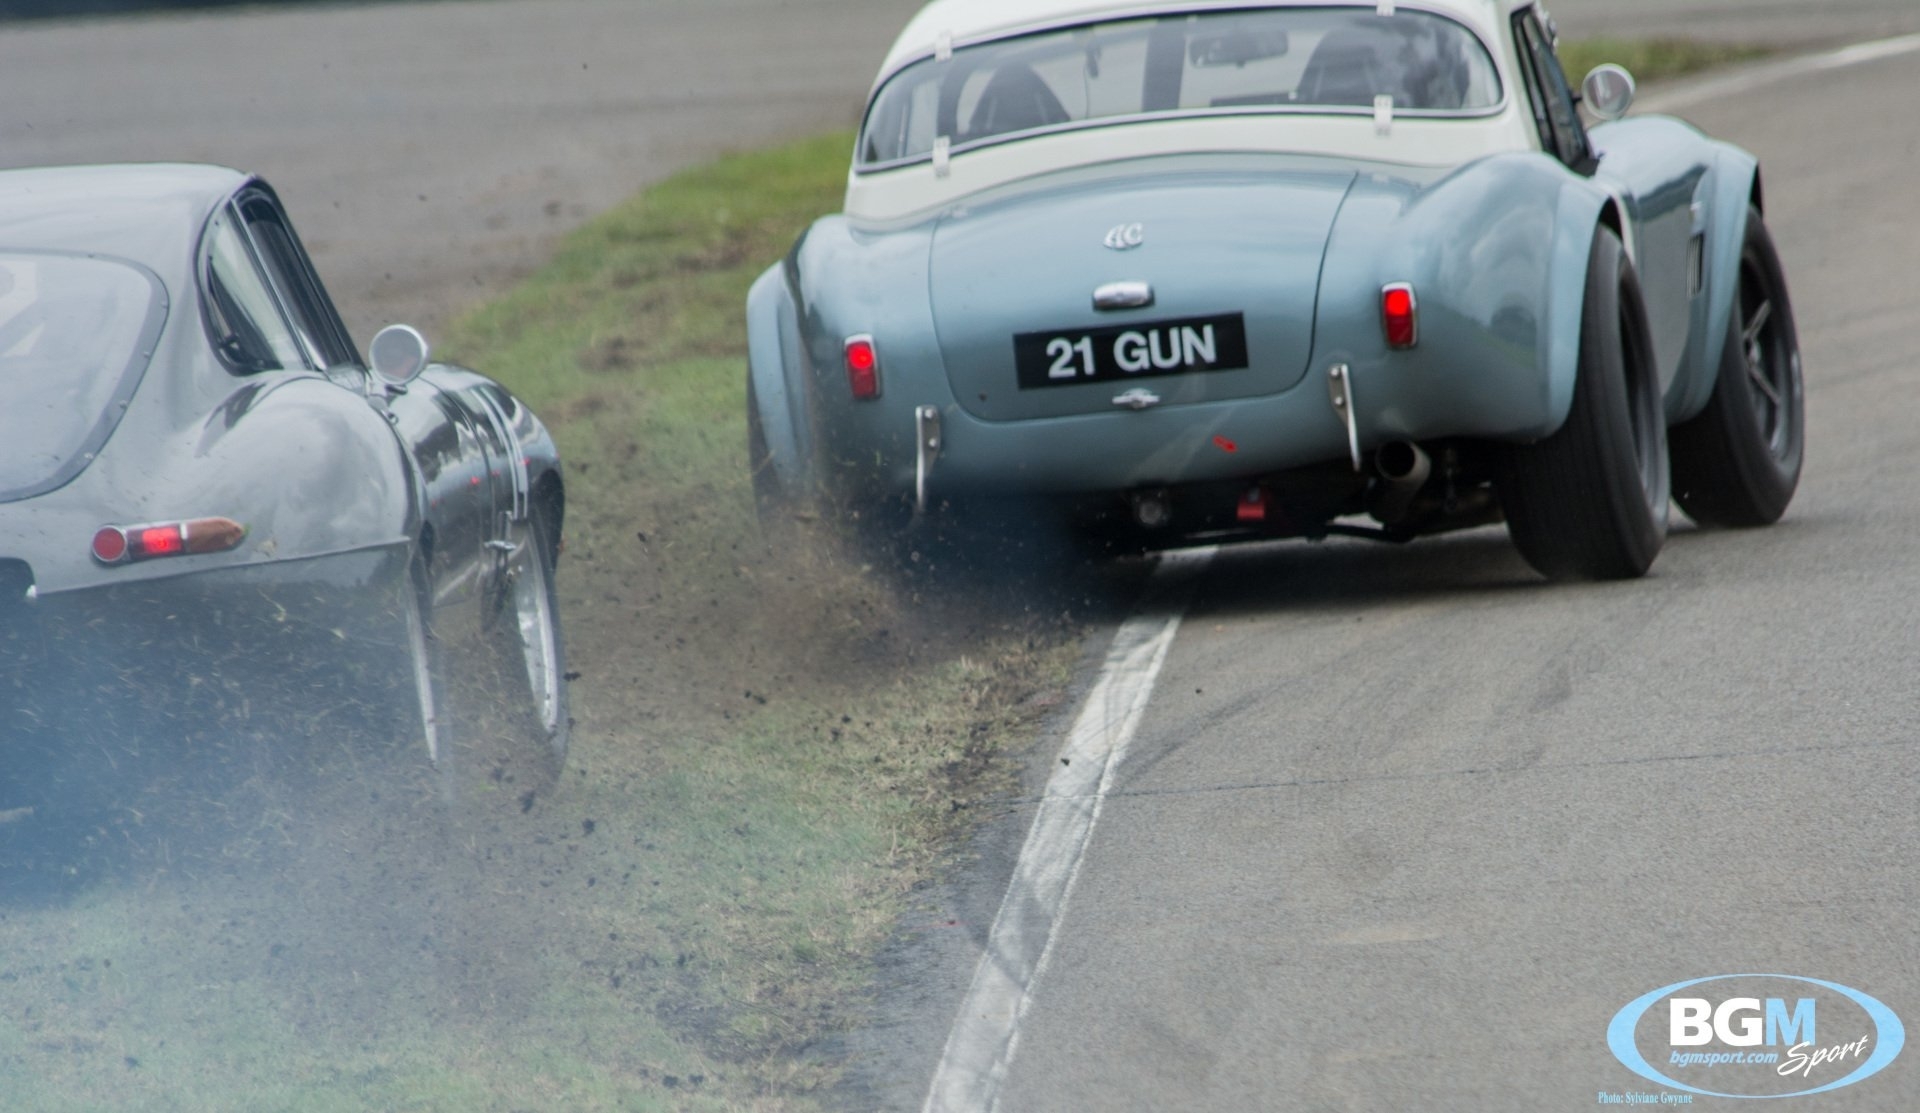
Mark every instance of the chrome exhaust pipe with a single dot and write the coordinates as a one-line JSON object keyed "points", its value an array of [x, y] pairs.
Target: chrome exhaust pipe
{"points": [[1152, 509], [1401, 468]]}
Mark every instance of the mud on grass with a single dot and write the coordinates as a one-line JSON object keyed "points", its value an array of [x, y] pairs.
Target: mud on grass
{"points": [[772, 746]]}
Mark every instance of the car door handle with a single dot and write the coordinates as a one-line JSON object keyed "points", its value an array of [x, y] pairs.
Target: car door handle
{"points": [[1123, 295]]}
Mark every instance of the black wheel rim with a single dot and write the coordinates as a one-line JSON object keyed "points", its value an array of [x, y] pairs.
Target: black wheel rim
{"points": [[1645, 421], [1767, 357]]}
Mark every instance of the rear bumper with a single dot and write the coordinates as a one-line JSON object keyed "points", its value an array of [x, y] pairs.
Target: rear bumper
{"points": [[1174, 444], [251, 648]]}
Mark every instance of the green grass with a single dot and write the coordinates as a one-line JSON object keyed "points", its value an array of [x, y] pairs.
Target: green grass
{"points": [[1653, 59]]}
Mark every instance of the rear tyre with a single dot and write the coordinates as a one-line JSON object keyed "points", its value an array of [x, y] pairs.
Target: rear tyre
{"points": [[531, 629], [507, 675], [1590, 502], [1738, 462], [793, 517]]}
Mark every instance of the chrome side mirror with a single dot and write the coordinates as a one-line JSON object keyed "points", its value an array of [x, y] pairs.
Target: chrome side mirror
{"points": [[398, 354], [1608, 91]]}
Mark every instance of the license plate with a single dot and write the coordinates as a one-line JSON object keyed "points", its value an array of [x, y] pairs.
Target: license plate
{"points": [[1136, 351]]}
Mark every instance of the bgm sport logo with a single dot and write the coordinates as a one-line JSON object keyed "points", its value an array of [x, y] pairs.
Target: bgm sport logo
{"points": [[1756, 1036]]}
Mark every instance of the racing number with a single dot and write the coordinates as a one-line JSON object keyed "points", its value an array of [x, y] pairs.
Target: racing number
{"points": [[1142, 348], [1062, 351]]}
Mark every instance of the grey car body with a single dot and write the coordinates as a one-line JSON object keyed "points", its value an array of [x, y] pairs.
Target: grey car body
{"points": [[1164, 315], [370, 510]]}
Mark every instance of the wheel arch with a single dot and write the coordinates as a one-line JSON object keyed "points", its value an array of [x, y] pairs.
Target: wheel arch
{"points": [[776, 375], [1497, 251], [1583, 210], [1735, 191], [1610, 216]]}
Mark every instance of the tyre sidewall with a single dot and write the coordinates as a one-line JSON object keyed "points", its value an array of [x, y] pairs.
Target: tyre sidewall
{"points": [[1726, 473], [1591, 501]]}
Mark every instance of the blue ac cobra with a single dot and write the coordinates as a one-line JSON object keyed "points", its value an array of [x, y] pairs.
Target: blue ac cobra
{"points": [[1206, 271]]}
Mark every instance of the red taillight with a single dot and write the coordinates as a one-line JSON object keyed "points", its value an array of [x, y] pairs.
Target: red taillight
{"points": [[863, 367], [157, 541], [109, 545], [122, 544], [1400, 315]]}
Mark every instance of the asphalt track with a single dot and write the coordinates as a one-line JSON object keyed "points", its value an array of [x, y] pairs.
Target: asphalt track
{"points": [[1403, 828], [1787, 23], [432, 153]]}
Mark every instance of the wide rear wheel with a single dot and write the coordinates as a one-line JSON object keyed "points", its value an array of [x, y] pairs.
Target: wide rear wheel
{"points": [[1737, 463], [1590, 502], [529, 626]]}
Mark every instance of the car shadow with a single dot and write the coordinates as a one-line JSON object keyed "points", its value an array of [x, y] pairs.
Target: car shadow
{"points": [[1344, 573]]}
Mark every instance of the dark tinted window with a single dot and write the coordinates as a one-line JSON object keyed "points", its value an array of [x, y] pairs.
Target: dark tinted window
{"points": [[244, 319], [309, 310], [1553, 105]]}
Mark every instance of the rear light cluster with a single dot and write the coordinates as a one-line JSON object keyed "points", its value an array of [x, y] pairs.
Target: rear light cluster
{"points": [[863, 367], [127, 544], [1400, 315]]}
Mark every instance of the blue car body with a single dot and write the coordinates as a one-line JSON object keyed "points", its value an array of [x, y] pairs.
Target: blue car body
{"points": [[1229, 217]]}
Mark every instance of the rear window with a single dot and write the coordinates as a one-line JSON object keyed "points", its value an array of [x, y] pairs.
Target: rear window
{"points": [[1320, 60], [75, 334]]}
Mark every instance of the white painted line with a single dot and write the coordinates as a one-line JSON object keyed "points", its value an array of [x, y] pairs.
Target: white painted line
{"points": [[1766, 73], [981, 1045]]}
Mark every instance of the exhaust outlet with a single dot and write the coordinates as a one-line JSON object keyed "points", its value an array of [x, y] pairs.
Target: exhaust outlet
{"points": [[1152, 509], [1401, 468]]}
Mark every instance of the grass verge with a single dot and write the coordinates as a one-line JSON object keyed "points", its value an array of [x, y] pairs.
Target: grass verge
{"points": [[1653, 59]]}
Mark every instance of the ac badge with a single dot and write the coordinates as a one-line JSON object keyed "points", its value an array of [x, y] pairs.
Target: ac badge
{"points": [[1125, 237]]}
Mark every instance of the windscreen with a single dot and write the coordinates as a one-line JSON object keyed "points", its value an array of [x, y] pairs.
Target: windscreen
{"points": [[73, 334], [1269, 60]]}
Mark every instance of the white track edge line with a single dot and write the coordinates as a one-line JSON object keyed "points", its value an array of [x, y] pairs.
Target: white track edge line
{"points": [[986, 1031]]}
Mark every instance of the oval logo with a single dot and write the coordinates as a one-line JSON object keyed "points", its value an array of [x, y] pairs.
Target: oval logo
{"points": [[1756, 1036], [1122, 237]]}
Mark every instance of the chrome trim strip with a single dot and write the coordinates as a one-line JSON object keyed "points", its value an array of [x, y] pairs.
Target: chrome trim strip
{"points": [[926, 439], [1123, 295]]}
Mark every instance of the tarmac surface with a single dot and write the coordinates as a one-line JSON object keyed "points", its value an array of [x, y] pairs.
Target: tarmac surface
{"points": [[1403, 828]]}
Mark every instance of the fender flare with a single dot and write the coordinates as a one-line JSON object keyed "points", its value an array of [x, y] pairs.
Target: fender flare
{"points": [[1509, 233], [1581, 213], [1736, 186], [776, 377]]}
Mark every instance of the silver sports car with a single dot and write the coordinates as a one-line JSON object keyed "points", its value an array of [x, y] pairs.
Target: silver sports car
{"points": [[198, 465]]}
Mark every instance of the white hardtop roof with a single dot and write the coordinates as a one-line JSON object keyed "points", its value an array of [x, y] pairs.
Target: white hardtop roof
{"points": [[962, 21]]}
